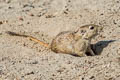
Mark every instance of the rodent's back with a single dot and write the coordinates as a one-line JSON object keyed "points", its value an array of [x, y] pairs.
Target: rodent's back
{"points": [[63, 42]]}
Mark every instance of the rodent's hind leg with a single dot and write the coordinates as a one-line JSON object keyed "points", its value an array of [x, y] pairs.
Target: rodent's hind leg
{"points": [[81, 54]]}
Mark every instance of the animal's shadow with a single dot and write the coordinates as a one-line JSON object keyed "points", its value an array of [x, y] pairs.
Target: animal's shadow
{"points": [[99, 46]]}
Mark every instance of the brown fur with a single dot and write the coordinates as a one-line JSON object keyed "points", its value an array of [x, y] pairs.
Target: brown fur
{"points": [[70, 42]]}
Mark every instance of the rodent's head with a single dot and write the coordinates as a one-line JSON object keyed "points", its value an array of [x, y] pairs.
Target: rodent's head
{"points": [[88, 31]]}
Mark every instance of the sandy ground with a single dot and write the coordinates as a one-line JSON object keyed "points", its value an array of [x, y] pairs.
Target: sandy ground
{"points": [[22, 59]]}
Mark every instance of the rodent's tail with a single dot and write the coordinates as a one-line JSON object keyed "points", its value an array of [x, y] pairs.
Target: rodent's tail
{"points": [[40, 42], [29, 37]]}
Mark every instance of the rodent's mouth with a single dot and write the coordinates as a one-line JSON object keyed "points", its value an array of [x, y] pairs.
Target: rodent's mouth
{"points": [[88, 38], [94, 35]]}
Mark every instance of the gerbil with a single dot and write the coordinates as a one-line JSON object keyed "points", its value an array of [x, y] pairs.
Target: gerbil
{"points": [[70, 42]]}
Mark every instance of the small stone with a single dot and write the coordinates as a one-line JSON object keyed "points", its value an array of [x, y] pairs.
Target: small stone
{"points": [[49, 16], [1, 22], [101, 14], [31, 14], [8, 1], [30, 73], [92, 77], [20, 18]]}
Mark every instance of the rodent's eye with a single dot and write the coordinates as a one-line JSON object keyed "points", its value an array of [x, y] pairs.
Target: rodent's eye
{"points": [[91, 27]]}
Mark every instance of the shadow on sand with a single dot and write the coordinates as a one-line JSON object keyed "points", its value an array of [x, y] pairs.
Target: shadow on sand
{"points": [[99, 46]]}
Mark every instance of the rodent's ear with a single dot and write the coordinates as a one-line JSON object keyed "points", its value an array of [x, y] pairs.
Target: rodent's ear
{"points": [[82, 31]]}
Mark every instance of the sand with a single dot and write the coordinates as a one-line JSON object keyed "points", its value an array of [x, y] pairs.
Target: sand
{"points": [[22, 59]]}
